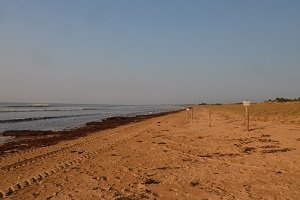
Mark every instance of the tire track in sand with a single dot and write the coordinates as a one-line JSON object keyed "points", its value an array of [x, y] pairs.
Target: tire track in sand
{"points": [[26, 182]]}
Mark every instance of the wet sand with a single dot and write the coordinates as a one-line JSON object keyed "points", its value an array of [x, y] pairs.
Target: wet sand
{"points": [[165, 157]]}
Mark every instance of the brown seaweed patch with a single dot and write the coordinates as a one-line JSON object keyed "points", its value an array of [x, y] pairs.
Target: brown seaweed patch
{"points": [[219, 155], [161, 143], [150, 181], [277, 150], [269, 146], [194, 183], [249, 150], [265, 135], [268, 140]]}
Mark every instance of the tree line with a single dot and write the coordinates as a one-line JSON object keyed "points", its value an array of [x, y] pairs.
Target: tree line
{"points": [[280, 99]]}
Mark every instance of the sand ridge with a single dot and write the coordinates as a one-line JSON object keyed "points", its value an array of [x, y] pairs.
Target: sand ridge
{"points": [[167, 157]]}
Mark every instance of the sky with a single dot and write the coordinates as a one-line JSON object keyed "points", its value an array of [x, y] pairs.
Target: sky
{"points": [[149, 52]]}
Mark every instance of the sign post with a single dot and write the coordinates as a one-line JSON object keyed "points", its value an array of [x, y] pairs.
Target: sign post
{"points": [[188, 113], [246, 104], [209, 118], [192, 114]]}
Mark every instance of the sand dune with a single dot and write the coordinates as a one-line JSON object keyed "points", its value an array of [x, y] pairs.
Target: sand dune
{"points": [[166, 157]]}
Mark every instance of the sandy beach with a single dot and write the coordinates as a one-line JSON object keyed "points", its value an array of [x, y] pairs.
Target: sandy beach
{"points": [[165, 157], [158, 100]]}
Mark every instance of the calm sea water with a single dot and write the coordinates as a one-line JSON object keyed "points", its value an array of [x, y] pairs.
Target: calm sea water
{"points": [[28, 116]]}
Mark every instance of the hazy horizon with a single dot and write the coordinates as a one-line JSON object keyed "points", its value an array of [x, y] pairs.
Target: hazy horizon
{"points": [[113, 104], [148, 52]]}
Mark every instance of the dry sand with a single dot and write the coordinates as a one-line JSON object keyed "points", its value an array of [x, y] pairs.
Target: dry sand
{"points": [[166, 157]]}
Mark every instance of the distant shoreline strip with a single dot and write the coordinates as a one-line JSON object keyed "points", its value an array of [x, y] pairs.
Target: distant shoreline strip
{"points": [[43, 118], [48, 110]]}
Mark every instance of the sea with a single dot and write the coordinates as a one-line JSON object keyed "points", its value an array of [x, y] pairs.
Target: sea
{"points": [[55, 116]]}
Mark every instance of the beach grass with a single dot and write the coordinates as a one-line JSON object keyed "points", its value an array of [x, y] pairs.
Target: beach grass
{"points": [[266, 110]]}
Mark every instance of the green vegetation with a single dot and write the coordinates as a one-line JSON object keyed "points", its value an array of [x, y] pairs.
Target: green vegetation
{"points": [[280, 99]]}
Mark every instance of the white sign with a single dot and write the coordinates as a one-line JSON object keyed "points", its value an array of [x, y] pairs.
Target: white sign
{"points": [[246, 103]]}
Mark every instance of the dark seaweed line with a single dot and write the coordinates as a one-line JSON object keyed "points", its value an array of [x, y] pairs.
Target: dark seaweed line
{"points": [[55, 152]]}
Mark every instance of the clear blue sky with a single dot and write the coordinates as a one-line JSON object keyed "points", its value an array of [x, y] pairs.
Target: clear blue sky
{"points": [[136, 52]]}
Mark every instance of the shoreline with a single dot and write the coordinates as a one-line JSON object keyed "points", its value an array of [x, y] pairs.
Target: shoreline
{"points": [[25, 139]]}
